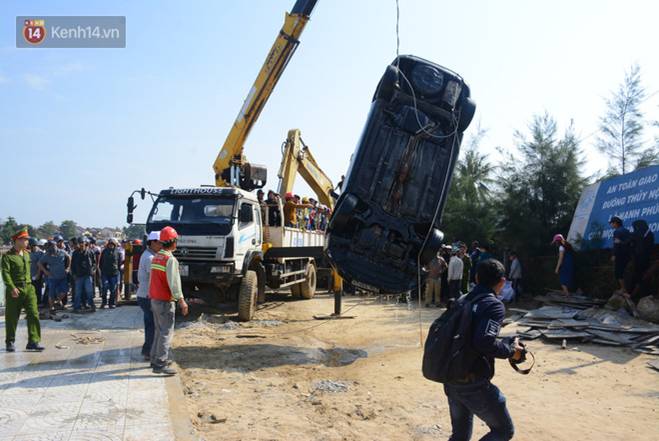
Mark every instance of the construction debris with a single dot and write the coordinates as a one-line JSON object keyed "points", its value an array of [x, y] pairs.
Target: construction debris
{"points": [[582, 318]]}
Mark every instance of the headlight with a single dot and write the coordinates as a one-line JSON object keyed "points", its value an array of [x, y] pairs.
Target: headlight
{"points": [[221, 269]]}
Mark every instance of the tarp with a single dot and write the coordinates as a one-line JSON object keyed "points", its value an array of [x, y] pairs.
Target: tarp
{"points": [[630, 196]]}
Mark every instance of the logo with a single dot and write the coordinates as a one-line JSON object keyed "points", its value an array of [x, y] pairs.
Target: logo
{"points": [[34, 31], [184, 251]]}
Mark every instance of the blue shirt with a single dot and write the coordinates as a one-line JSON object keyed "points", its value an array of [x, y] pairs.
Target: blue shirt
{"points": [[621, 237], [55, 263]]}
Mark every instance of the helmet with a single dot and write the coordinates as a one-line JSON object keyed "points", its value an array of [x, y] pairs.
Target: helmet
{"points": [[42, 242], [58, 238], [168, 234], [137, 242], [32, 242], [289, 195], [615, 219]]}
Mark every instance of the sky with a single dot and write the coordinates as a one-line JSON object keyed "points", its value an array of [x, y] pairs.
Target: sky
{"points": [[80, 129]]}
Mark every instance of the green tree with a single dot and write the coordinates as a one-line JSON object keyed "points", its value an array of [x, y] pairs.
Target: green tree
{"points": [[8, 229], [621, 126], [541, 185], [47, 230], [469, 212], [135, 231], [69, 229]]}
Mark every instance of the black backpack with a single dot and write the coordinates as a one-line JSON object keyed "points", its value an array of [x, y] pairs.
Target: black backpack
{"points": [[447, 355]]}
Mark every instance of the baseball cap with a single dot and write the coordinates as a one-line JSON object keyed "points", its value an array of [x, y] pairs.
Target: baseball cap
{"points": [[154, 235]]}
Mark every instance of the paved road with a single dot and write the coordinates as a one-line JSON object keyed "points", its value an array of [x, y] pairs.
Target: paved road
{"points": [[95, 386]]}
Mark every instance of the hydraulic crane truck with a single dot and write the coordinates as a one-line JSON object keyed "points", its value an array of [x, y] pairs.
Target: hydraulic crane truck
{"points": [[226, 250]]}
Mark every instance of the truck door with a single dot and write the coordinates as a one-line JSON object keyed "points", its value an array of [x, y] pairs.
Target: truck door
{"points": [[249, 228], [258, 222]]}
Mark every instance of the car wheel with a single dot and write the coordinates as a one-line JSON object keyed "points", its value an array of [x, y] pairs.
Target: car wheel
{"points": [[387, 85], [247, 296], [466, 114], [433, 245], [343, 213]]}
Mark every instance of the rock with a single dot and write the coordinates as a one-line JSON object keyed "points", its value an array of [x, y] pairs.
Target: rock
{"points": [[648, 309], [330, 386]]}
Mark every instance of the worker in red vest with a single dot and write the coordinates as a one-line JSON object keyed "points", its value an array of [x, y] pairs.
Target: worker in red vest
{"points": [[165, 291]]}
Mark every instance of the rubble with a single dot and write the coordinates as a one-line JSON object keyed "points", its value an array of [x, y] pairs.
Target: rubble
{"points": [[584, 319], [330, 386]]}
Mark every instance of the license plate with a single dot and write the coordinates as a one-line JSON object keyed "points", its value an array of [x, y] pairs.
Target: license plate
{"points": [[184, 270]]}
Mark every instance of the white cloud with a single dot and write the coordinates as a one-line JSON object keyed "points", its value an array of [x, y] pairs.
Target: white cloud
{"points": [[36, 81]]}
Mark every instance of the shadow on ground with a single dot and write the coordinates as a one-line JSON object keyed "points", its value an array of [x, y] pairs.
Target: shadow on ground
{"points": [[252, 357]]}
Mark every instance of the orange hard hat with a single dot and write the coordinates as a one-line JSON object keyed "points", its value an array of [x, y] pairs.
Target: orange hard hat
{"points": [[168, 234], [137, 242], [289, 195]]}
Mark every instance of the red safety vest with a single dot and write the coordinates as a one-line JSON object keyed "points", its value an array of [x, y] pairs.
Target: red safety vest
{"points": [[158, 285]]}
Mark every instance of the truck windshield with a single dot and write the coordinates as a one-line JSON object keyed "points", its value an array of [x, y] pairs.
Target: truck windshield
{"points": [[191, 211]]}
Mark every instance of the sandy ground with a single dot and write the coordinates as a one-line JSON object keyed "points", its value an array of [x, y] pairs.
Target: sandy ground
{"points": [[258, 381]]}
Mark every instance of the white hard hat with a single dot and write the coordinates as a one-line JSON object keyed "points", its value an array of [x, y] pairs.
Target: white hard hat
{"points": [[154, 235], [42, 242]]}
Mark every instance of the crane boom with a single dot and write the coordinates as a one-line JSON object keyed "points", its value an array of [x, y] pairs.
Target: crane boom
{"points": [[297, 158], [231, 167]]}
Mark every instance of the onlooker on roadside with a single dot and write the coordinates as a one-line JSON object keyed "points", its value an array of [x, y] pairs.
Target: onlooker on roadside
{"points": [[94, 248], [153, 246], [56, 264], [445, 253], [455, 267], [435, 268], [467, 265], [83, 267], [165, 291], [515, 274], [475, 394], [475, 254], [35, 273], [109, 266], [291, 208], [621, 251], [121, 250], [565, 264], [262, 204], [642, 245]]}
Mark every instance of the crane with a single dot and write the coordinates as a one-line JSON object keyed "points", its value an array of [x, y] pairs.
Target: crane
{"points": [[231, 166], [297, 158]]}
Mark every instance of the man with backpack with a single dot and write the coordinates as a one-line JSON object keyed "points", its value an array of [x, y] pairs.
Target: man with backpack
{"points": [[460, 352]]}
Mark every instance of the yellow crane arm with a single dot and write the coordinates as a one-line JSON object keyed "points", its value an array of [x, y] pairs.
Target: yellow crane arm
{"points": [[231, 167], [297, 158]]}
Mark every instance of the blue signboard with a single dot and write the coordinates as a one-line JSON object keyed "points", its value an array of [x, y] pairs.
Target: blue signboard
{"points": [[630, 197]]}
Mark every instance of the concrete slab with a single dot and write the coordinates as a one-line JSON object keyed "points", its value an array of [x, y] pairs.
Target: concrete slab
{"points": [[90, 383]]}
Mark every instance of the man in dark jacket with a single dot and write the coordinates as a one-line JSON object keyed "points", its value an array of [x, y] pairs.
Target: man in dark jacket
{"points": [[475, 394], [109, 265], [83, 267]]}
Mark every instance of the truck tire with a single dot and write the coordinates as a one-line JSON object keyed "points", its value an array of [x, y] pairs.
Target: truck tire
{"points": [[247, 296], [308, 287], [260, 285], [295, 290]]}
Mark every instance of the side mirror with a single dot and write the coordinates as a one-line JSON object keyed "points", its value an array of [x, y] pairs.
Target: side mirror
{"points": [[143, 193], [131, 207], [129, 218]]}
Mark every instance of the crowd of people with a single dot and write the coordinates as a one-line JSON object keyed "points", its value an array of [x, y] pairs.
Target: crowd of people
{"points": [[64, 271], [451, 273], [634, 246], [304, 213], [40, 272]]}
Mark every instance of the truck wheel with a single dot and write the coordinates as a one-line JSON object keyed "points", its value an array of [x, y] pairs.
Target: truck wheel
{"points": [[308, 287], [247, 296], [295, 290], [260, 285]]}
